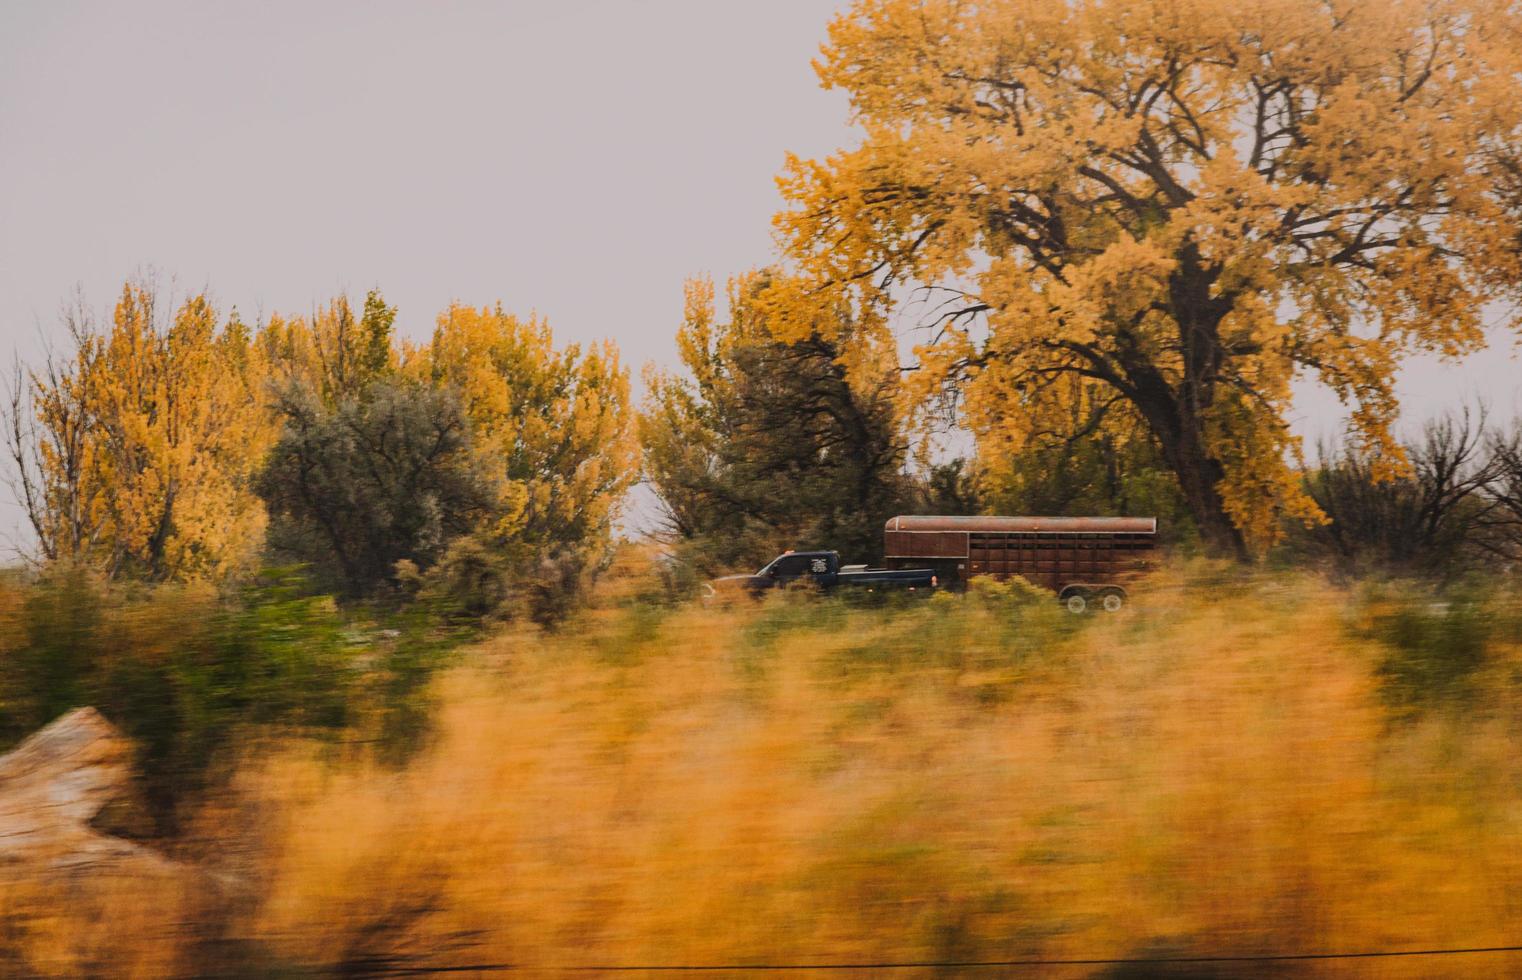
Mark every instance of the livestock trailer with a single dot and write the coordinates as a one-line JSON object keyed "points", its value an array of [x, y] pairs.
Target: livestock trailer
{"points": [[1085, 560]]}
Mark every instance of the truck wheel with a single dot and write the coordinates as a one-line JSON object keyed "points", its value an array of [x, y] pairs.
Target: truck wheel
{"points": [[1112, 601], [1077, 603]]}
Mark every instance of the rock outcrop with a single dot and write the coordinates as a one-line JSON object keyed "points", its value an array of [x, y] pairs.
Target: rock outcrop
{"points": [[52, 786]]}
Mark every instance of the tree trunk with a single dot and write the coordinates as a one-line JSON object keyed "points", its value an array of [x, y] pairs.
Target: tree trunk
{"points": [[1180, 433], [1198, 311], [1199, 477]]}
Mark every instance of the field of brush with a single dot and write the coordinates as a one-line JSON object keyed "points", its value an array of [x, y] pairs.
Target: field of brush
{"points": [[1237, 764]]}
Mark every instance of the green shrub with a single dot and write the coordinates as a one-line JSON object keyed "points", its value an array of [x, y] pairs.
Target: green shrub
{"points": [[1432, 645], [386, 474], [51, 643], [183, 672], [470, 583]]}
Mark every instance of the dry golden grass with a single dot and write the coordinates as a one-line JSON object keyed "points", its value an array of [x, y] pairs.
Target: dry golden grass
{"points": [[1211, 772]]}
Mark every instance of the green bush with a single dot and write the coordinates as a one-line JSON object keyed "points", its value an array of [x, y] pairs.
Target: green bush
{"points": [[1433, 643], [51, 643], [470, 583], [183, 671], [386, 474]]}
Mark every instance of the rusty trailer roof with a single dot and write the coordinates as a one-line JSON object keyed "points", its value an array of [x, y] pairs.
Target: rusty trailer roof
{"points": [[1049, 525]]}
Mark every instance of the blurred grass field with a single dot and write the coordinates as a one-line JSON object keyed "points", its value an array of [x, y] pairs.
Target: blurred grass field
{"points": [[1238, 764]]}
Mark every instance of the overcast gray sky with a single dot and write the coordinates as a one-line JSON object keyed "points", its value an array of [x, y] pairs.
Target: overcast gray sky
{"points": [[576, 158]]}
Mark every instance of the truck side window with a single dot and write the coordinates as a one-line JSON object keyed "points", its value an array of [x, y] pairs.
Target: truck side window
{"points": [[791, 566]]}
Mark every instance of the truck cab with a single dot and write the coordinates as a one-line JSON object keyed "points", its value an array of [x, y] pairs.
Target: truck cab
{"points": [[820, 568]]}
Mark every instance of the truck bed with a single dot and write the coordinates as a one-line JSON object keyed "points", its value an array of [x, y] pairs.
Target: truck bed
{"points": [[904, 577]]}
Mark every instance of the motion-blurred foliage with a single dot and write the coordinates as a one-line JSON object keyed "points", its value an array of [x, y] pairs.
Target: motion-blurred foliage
{"points": [[186, 673], [1435, 645], [1238, 764]]}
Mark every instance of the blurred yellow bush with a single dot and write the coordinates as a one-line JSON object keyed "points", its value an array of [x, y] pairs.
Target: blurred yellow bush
{"points": [[800, 782]]}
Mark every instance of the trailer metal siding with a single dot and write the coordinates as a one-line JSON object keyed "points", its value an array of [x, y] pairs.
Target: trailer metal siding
{"points": [[1055, 552], [925, 544], [1049, 525]]}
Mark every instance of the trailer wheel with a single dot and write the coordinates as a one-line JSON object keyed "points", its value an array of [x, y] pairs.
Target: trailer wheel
{"points": [[1112, 601], [1077, 603]]}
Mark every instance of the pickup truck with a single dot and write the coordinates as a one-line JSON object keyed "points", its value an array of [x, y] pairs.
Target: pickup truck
{"points": [[822, 570]]}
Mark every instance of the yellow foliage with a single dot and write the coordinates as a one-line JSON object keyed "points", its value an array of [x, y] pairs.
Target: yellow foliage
{"points": [[1213, 773], [554, 425], [331, 352], [149, 437], [721, 788], [1187, 204]]}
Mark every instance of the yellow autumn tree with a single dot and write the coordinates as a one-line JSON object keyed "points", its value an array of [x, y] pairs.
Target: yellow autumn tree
{"points": [[140, 447], [554, 426], [1187, 203], [331, 352]]}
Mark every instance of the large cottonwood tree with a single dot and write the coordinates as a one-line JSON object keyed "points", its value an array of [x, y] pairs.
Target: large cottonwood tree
{"points": [[1186, 203]]}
